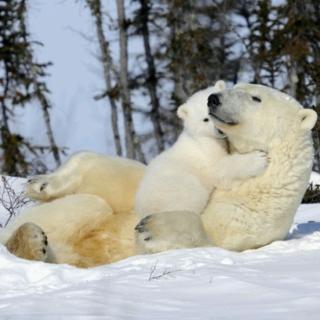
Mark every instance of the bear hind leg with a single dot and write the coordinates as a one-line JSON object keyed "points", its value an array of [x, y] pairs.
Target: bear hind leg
{"points": [[51, 186], [29, 242], [65, 180]]}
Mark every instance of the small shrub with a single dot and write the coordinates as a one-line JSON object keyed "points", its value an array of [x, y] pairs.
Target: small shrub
{"points": [[312, 194]]}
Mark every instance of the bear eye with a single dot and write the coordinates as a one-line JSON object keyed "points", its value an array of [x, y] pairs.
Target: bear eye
{"points": [[255, 98], [205, 119]]}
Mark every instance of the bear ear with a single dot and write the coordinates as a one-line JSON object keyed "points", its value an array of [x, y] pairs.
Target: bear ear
{"points": [[308, 118], [182, 111], [220, 85]]}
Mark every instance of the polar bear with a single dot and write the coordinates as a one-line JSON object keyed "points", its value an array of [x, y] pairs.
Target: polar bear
{"points": [[77, 225], [81, 206], [91, 173], [183, 177], [257, 211]]}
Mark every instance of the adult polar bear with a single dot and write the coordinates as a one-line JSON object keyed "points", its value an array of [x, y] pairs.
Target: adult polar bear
{"points": [[260, 210], [82, 230]]}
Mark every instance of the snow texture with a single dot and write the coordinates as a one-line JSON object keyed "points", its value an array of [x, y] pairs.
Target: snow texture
{"points": [[315, 178], [279, 281]]}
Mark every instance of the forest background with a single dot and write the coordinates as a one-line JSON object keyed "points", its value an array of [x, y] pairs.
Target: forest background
{"points": [[108, 75]]}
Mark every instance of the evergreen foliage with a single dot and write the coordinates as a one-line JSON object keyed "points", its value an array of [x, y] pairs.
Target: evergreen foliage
{"points": [[186, 45], [21, 82]]}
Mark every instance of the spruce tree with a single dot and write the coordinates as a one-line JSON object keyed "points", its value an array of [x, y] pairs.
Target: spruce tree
{"points": [[22, 82]]}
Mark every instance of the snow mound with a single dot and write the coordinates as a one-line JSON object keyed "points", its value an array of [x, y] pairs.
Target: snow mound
{"points": [[279, 281]]}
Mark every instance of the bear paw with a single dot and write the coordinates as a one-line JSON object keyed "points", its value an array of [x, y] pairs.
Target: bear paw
{"points": [[170, 230], [29, 242], [258, 161], [43, 187]]}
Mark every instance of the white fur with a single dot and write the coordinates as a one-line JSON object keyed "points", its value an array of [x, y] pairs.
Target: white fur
{"points": [[261, 210], [62, 220], [92, 173], [246, 215], [256, 211], [183, 177], [86, 210]]}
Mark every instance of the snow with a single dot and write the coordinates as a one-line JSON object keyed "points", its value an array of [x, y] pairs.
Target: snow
{"points": [[315, 178], [279, 281]]}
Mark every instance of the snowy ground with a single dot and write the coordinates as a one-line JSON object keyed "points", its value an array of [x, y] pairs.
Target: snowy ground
{"points": [[279, 281]]}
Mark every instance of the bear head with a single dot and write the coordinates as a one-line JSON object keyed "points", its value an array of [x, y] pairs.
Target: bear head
{"points": [[195, 114], [257, 117]]}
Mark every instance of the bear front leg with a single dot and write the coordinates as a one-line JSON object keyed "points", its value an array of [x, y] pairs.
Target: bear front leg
{"points": [[238, 167], [28, 242], [170, 230]]}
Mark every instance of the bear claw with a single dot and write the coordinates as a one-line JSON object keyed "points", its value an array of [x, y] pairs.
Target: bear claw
{"points": [[140, 227]]}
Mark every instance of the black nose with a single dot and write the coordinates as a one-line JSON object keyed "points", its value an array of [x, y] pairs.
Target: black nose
{"points": [[213, 100]]}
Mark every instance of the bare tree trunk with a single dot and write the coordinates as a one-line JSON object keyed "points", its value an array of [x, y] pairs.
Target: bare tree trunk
{"points": [[40, 95], [152, 81], [95, 7], [245, 12], [133, 146], [180, 92], [46, 115], [292, 78]]}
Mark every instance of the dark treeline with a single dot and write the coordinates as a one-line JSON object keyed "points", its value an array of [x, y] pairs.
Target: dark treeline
{"points": [[186, 46], [21, 82]]}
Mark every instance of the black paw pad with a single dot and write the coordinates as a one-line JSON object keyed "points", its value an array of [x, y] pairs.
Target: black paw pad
{"points": [[43, 186]]}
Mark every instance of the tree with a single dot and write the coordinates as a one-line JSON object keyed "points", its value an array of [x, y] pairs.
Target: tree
{"points": [[132, 142], [106, 60], [151, 81], [283, 46], [188, 45], [299, 42], [21, 80], [192, 48], [200, 44], [41, 91]]}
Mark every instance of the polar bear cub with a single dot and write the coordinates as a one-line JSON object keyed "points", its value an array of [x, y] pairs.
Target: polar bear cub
{"points": [[183, 177]]}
